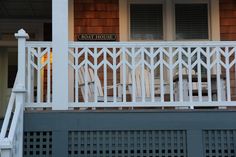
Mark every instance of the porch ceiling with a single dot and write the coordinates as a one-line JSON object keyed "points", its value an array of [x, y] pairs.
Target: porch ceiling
{"points": [[25, 9]]}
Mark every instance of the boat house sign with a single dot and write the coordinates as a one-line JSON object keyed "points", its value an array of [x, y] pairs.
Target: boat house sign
{"points": [[97, 37]]}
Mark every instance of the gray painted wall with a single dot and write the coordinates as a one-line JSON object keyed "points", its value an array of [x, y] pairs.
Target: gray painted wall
{"points": [[194, 122]]}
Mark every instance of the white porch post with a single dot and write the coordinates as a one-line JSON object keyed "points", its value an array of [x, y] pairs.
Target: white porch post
{"points": [[60, 54], [20, 88]]}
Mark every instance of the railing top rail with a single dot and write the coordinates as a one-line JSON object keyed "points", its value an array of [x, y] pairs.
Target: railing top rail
{"points": [[144, 44], [38, 43], [14, 122], [161, 43]]}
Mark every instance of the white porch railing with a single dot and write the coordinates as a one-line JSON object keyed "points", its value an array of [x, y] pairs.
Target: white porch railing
{"points": [[118, 74], [11, 136], [137, 74]]}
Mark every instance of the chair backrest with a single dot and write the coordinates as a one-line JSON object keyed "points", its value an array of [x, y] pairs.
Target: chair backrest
{"points": [[91, 83], [138, 83]]}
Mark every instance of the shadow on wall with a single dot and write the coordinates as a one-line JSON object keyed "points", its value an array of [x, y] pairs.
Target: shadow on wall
{"points": [[1, 121]]}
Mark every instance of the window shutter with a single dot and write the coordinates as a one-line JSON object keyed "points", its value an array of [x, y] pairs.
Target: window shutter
{"points": [[191, 21], [146, 22]]}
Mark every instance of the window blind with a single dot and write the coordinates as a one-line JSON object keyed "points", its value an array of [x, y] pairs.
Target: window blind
{"points": [[146, 22], [191, 21]]}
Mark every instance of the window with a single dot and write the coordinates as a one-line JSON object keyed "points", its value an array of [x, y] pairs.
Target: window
{"points": [[146, 22], [169, 20], [191, 21]]}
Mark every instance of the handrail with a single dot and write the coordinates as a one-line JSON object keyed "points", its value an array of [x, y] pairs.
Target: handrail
{"points": [[8, 112], [11, 136], [147, 44], [14, 122]]}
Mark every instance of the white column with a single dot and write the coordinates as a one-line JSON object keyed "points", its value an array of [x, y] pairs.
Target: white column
{"points": [[60, 54]]}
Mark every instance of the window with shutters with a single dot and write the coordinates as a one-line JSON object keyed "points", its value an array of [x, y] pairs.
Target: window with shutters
{"points": [[146, 22], [191, 21], [151, 20]]}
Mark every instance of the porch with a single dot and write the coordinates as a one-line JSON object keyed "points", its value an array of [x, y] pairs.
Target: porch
{"points": [[129, 74], [88, 77]]}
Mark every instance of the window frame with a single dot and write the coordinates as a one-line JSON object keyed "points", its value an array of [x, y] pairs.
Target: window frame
{"points": [[169, 28], [146, 2], [192, 2]]}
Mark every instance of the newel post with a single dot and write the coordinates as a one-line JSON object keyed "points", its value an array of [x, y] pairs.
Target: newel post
{"points": [[21, 35], [20, 86]]}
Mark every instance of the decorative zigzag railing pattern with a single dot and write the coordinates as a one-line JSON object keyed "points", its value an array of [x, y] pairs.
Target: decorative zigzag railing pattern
{"points": [[178, 73], [137, 74]]}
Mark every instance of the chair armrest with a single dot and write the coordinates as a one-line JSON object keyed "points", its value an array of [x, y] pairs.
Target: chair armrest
{"points": [[83, 84], [117, 86]]}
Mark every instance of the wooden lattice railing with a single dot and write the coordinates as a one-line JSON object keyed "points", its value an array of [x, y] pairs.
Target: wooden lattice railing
{"points": [[136, 74]]}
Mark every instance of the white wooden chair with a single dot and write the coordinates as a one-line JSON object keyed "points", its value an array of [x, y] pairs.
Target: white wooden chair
{"points": [[147, 86], [91, 83], [195, 96]]}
